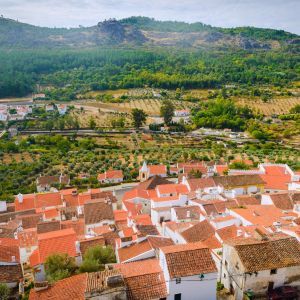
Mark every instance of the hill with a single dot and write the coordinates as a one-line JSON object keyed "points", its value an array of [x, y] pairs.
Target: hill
{"points": [[141, 31]]}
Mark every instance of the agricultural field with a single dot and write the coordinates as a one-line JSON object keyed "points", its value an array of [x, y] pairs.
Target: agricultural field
{"points": [[55, 154], [273, 106]]}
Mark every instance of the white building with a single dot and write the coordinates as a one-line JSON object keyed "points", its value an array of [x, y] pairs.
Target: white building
{"points": [[189, 271], [260, 264]]}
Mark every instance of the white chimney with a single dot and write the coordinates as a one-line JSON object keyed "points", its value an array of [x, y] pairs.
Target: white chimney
{"points": [[20, 198], [239, 232], [13, 259], [188, 214]]}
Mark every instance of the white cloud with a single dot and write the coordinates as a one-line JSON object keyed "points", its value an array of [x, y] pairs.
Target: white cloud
{"points": [[226, 13]]}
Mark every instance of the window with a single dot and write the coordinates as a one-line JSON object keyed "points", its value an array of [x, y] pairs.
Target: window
{"points": [[177, 296], [224, 275], [178, 280], [273, 271], [226, 263]]}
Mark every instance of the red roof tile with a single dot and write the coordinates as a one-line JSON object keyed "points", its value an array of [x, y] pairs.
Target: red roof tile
{"points": [[66, 289]]}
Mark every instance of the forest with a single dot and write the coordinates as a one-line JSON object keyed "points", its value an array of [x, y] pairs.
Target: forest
{"points": [[71, 72]]}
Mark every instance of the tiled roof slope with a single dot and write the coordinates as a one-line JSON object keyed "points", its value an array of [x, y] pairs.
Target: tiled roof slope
{"points": [[188, 260], [198, 232], [278, 251], [96, 211], [71, 288]]}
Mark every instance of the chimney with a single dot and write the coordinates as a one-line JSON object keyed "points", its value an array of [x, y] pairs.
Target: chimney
{"points": [[188, 214], [258, 234], [239, 232], [13, 258], [20, 198]]}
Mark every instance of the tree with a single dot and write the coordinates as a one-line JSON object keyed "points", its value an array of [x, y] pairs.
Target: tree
{"points": [[4, 291], [59, 266], [92, 123], [139, 117], [167, 111], [96, 257]]}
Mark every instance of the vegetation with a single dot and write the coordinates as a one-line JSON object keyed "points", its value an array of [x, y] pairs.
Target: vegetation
{"points": [[138, 117], [59, 266], [72, 72], [167, 111], [221, 113], [4, 291], [96, 257]]}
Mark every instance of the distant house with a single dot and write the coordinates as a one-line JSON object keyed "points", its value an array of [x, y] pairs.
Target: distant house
{"points": [[111, 176], [182, 113], [259, 264], [44, 183], [49, 107], [148, 171], [62, 108]]}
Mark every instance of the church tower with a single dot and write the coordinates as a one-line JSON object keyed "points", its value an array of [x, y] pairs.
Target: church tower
{"points": [[144, 172]]}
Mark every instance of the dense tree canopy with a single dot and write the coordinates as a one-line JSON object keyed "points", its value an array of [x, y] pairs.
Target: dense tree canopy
{"points": [[70, 72]]}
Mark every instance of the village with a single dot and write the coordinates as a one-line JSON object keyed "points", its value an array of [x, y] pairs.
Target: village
{"points": [[209, 231]]}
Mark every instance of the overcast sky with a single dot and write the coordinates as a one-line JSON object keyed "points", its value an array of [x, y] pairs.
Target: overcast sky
{"points": [[280, 14]]}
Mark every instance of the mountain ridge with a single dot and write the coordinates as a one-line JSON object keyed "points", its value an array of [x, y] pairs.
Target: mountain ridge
{"points": [[142, 31]]}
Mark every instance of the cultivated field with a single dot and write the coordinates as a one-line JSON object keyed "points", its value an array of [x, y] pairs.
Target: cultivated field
{"points": [[273, 106]]}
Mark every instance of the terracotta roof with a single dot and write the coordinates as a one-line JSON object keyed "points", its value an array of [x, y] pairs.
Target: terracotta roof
{"points": [[111, 174], [91, 242], [97, 211], [200, 183], [229, 181], [152, 182], [147, 230], [66, 289], [226, 233], [212, 243], [9, 250], [97, 281], [10, 273], [157, 242], [28, 238], [100, 230], [223, 219], [181, 226], [221, 169], [172, 189], [278, 251], [133, 250], [188, 260], [38, 201], [60, 241], [157, 169], [148, 287], [188, 212], [142, 219], [247, 200], [140, 267], [282, 201], [120, 215], [77, 225], [199, 232], [264, 215], [44, 227], [110, 238], [144, 279], [30, 220], [48, 180]]}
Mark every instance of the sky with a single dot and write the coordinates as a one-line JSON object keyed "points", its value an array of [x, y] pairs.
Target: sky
{"points": [[278, 14]]}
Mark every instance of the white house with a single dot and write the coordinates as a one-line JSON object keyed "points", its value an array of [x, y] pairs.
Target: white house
{"points": [[111, 176], [189, 271], [259, 264]]}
